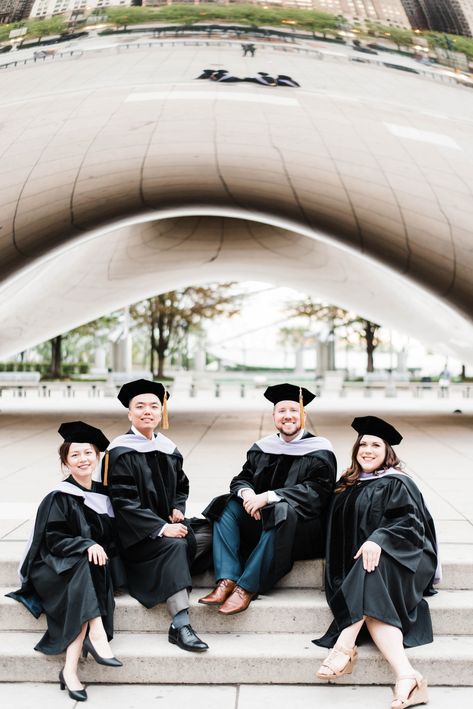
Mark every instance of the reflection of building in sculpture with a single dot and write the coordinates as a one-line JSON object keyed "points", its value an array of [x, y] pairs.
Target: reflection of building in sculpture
{"points": [[48, 8], [14, 10], [384, 11], [452, 16]]}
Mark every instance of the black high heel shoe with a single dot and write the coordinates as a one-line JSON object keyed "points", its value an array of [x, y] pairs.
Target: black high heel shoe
{"points": [[108, 661], [80, 695]]}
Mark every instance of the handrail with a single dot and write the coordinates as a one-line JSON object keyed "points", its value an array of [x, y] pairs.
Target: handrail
{"points": [[316, 53]]}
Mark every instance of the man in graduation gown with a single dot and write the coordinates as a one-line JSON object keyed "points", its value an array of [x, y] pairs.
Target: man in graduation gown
{"points": [[275, 512], [149, 490]]}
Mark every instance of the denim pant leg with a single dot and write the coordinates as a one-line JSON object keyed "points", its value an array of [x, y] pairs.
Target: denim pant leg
{"points": [[258, 567], [226, 541]]}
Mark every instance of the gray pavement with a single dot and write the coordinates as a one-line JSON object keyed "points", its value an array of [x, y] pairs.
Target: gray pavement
{"points": [[213, 435], [39, 696]]}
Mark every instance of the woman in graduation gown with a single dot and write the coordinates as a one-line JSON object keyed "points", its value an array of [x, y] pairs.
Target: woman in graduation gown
{"points": [[381, 561], [66, 571]]}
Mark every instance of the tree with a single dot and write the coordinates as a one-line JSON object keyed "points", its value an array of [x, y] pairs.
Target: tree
{"points": [[400, 37], [45, 28], [170, 317], [338, 318], [71, 344]]}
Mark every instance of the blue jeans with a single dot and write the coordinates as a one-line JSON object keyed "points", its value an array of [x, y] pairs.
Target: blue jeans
{"points": [[228, 531]]}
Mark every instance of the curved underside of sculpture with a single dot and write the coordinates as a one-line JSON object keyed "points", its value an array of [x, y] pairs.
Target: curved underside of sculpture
{"points": [[121, 177]]}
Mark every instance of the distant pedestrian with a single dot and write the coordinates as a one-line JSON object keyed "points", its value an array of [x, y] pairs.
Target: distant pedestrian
{"points": [[248, 49], [444, 382]]}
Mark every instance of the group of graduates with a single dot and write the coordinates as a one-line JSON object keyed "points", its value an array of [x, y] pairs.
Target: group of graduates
{"points": [[224, 76], [130, 530]]}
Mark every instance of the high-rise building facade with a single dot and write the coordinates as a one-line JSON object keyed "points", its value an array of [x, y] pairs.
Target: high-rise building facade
{"points": [[390, 12], [452, 16], [14, 10], [49, 8]]}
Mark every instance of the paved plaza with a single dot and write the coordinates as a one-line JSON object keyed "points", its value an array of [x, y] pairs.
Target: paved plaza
{"points": [[213, 435]]}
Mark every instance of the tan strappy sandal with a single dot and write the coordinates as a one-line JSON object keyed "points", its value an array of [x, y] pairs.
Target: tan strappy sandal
{"points": [[417, 695], [336, 652]]}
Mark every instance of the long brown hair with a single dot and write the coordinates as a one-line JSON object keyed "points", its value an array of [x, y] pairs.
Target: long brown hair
{"points": [[352, 473]]}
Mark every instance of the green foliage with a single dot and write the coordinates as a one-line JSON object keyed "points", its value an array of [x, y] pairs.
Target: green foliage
{"points": [[450, 42], [400, 37], [45, 28], [170, 317], [252, 15]]}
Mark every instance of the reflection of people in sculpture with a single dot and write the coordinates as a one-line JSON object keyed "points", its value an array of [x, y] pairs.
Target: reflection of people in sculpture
{"points": [[275, 511], [261, 77], [381, 560]]}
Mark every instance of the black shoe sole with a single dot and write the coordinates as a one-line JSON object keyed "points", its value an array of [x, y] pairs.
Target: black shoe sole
{"points": [[186, 647]]}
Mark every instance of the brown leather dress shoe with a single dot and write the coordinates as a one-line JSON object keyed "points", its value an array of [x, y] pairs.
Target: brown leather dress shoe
{"points": [[220, 593], [237, 602]]}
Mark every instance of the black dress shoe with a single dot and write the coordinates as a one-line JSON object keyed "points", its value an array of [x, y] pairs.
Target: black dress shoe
{"points": [[186, 639], [80, 695], [108, 661]]}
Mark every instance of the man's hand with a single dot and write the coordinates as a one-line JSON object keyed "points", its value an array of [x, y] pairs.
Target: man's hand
{"points": [[371, 553], [253, 503], [176, 516], [97, 555], [176, 530]]}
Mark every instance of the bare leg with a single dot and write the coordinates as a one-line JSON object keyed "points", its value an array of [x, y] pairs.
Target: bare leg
{"points": [[347, 639], [388, 639], [98, 637], [72, 658]]}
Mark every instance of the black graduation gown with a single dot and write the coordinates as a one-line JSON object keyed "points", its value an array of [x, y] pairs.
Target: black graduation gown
{"points": [[305, 483], [145, 488], [59, 579], [390, 511]]}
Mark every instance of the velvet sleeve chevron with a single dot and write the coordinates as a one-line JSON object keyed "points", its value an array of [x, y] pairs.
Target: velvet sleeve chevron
{"points": [[61, 539], [134, 522], [401, 533]]}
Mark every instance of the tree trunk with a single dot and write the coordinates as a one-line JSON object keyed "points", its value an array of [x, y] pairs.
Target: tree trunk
{"points": [[152, 346], [370, 332], [161, 345], [56, 357]]}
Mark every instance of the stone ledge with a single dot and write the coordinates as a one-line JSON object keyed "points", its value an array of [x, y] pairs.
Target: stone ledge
{"points": [[232, 659], [283, 611]]}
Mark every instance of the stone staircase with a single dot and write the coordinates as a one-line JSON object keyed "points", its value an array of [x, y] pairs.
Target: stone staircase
{"points": [[268, 644]]}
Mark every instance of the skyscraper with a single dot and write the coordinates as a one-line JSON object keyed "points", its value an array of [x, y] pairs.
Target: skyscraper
{"points": [[452, 16], [14, 10]]}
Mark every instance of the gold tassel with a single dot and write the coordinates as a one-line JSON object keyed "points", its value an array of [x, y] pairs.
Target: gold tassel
{"points": [[165, 411], [301, 406], [105, 468]]}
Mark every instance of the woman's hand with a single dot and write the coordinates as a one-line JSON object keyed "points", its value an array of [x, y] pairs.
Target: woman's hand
{"points": [[371, 553], [176, 516], [253, 503], [178, 531], [97, 555]]}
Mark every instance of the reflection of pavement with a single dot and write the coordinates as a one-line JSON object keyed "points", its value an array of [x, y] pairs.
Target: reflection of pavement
{"points": [[320, 49]]}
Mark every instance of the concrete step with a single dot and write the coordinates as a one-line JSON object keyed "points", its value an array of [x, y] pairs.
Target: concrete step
{"points": [[258, 658], [282, 611], [305, 574], [457, 566]]}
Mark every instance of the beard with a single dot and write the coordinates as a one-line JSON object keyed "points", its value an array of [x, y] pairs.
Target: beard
{"points": [[289, 428]]}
